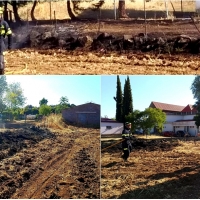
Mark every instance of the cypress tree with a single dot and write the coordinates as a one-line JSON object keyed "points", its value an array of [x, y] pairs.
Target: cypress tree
{"points": [[127, 100], [119, 101]]}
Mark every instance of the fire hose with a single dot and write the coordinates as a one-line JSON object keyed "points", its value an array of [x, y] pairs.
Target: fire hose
{"points": [[112, 145]]}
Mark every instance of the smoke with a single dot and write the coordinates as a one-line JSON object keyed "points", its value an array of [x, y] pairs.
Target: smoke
{"points": [[21, 37], [197, 4]]}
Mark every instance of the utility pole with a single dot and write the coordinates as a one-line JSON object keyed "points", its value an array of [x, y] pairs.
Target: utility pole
{"points": [[145, 18], [115, 10], [50, 8], [166, 8]]}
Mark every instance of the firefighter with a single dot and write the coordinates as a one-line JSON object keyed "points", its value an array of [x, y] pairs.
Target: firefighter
{"points": [[126, 143], [4, 31]]}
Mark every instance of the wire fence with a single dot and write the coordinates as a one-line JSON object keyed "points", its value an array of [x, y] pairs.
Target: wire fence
{"points": [[144, 9]]}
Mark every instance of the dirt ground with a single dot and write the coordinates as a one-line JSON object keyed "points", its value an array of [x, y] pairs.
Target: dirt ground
{"points": [[158, 169], [58, 61], [42, 163]]}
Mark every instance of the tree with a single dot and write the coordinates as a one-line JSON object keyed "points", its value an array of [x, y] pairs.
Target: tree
{"points": [[5, 10], [148, 119], [197, 120], [33, 9], [43, 101], [31, 110], [127, 99], [69, 10], [119, 101], [35, 111], [152, 118], [64, 101], [44, 110], [122, 9], [28, 109], [135, 118], [15, 4], [14, 96], [3, 87], [62, 105], [195, 87]]}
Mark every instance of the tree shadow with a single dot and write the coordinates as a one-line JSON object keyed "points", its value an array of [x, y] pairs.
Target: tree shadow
{"points": [[175, 173], [186, 186], [109, 165]]}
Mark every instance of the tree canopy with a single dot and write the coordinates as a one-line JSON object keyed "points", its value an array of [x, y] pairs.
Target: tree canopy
{"points": [[44, 110], [14, 96], [119, 101], [195, 87], [12, 101], [147, 119], [43, 101], [124, 102], [3, 87], [127, 99]]}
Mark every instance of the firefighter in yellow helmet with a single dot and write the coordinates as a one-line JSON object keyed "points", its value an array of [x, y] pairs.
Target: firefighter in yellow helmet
{"points": [[126, 143], [4, 31]]}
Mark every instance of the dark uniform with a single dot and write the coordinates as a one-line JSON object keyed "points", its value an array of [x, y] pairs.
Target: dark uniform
{"points": [[126, 143], [4, 31]]}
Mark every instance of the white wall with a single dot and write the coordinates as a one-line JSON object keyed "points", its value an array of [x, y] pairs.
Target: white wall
{"points": [[116, 128], [172, 118], [30, 117], [168, 127], [186, 117], [193, 131]]}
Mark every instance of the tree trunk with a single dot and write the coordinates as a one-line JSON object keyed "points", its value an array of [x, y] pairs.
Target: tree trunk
{"points": [[122, 9], [5, 10], [69, 10], [15, 11], [32, 10]]}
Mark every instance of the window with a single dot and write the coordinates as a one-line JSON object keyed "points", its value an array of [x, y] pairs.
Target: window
{"points": [[108, 127]]}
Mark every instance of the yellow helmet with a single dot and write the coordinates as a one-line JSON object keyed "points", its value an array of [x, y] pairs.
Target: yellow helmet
{"points": [[1, 10]]}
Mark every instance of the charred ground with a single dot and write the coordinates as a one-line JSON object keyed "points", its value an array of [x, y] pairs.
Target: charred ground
{"points": [[156, 169], [42, 163], [117, 47]]}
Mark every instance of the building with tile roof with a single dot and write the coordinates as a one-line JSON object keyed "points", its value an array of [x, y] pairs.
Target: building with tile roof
{"points": [[111, 126], [178, 117]]}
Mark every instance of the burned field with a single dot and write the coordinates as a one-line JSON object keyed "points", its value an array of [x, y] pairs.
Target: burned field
{"points": [[156, 169], [42, 163], [117, 47]]}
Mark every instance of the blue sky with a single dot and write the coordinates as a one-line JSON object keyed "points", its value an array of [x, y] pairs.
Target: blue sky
{"points": [[146, 88], [78, 89]]}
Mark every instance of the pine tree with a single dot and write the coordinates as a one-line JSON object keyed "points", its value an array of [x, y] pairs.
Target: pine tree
{"points": [[127, 100], [119, 101]]}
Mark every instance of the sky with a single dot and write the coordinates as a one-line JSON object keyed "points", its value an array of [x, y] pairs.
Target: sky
{"points": [[78, 89], [171, 89]]}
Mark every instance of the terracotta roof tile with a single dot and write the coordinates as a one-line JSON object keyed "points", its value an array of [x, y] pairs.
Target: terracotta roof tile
{"points": [[166, 107], [188, 108]]}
